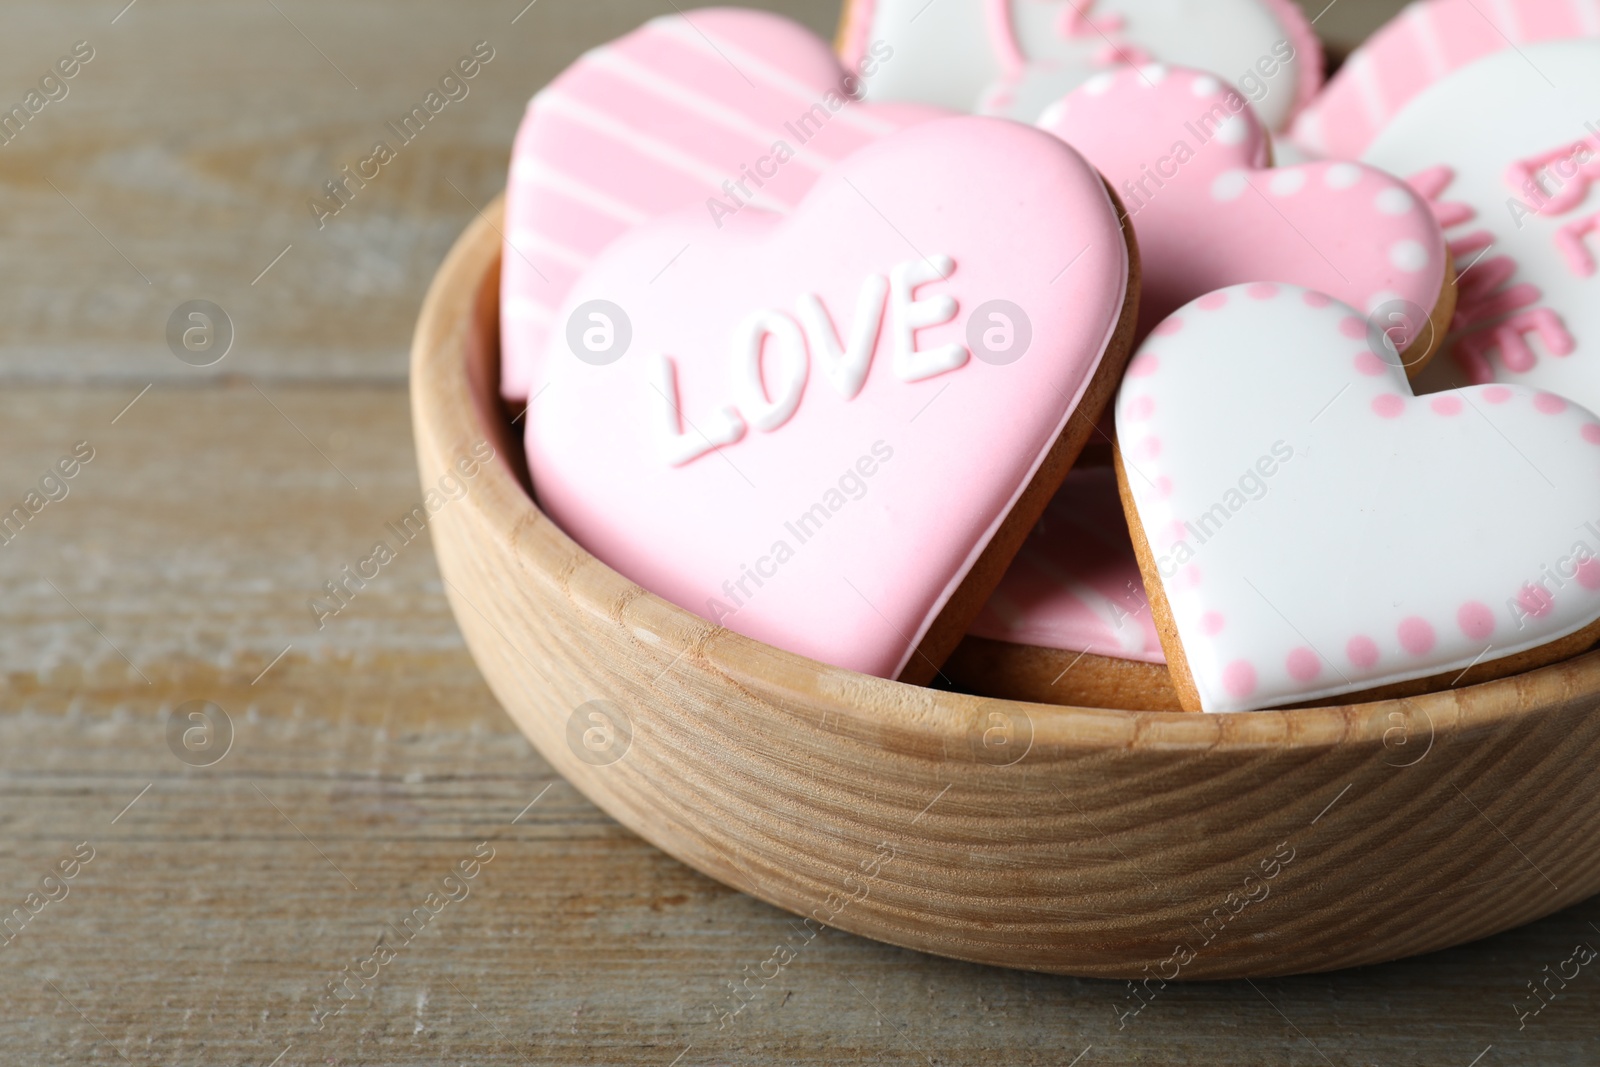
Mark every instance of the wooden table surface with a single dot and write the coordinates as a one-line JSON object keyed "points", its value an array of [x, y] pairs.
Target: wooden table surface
{"points": [[365, 759]]}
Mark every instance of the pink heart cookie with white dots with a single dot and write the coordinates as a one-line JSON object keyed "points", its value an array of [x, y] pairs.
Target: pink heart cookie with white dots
{"points": [[720, 108], [1189, 159], [1309, 530], [831, 430]]}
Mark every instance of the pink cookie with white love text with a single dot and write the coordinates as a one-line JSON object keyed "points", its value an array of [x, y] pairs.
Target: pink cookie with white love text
{"points": [[831, 430]]}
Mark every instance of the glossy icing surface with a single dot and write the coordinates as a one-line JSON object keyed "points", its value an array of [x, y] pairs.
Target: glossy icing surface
{"points": [[1427, 41], [722, 106], [821, 419], [1015, 57], [1509, 151], [1321, 531], [1188, 158], [1076, 585]]}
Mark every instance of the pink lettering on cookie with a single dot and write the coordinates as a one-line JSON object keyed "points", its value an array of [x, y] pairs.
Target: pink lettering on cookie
{"points": [[1558, 180], [1509, 338], [1570, 239], [1514, 174]]}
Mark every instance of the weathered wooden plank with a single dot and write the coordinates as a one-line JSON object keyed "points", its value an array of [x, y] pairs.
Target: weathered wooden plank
{"points": [[206, 927], [193, 140]]}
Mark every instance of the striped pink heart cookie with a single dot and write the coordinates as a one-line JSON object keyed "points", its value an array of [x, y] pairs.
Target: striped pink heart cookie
{"points": [[1075, 585], [1310, 530], [1189, 159], [1070, 622], [1425, 42], [830, 430], [722, 108]]}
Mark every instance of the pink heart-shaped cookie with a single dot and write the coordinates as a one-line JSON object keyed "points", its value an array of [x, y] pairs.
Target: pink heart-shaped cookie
{"points": [[1075, 586], [1070, 623], [1427, 41], [830, 430], [723, 108], [1309, 529], [1189, 160]]}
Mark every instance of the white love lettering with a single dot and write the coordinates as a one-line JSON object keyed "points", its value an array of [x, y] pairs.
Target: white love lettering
{"points": [[765, 400], [677, 447], [767, 411], [912, 315], [846, 367]]}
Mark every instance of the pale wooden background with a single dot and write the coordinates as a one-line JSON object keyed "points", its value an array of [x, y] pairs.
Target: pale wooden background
{"points": [[370, 757]]}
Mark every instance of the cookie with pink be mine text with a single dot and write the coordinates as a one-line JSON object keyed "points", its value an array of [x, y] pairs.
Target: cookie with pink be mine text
{"points": [[1509, 151], [831, 430], [719, 108], [1189, 159], [1309, 530]]}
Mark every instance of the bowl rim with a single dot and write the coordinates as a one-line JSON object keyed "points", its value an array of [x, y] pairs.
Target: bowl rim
{"points": [[442, 389]]}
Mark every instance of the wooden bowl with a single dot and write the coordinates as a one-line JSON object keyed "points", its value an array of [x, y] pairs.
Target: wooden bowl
{"points": [[1072, 840]]}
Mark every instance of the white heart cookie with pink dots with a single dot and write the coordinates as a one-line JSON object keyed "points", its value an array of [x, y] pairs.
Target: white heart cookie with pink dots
{"points": [[1312, 530]]}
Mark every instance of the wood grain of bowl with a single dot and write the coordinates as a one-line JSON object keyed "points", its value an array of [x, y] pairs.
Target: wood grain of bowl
{"points": [[1072, 840]]}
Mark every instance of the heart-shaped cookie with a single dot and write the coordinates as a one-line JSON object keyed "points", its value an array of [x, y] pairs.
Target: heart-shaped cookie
{"points": [[721, 108], [1070, 622], [1189, 160], [1075, 585], [1427, 41], [1014, 57], [1309, 529], [831, 430], [1510, 148]]}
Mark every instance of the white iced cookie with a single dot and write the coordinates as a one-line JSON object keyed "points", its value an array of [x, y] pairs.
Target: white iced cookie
{"points": [[1509, 151], [1310, 530], [1016, 57]]}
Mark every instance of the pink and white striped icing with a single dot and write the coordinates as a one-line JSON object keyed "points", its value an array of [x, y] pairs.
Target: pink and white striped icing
{"points": [[1188, 158], [1427, 41], [805, 381], [1013, 57], [1474, 143], [1076, 585], [657, 121], [1320, 531]]}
